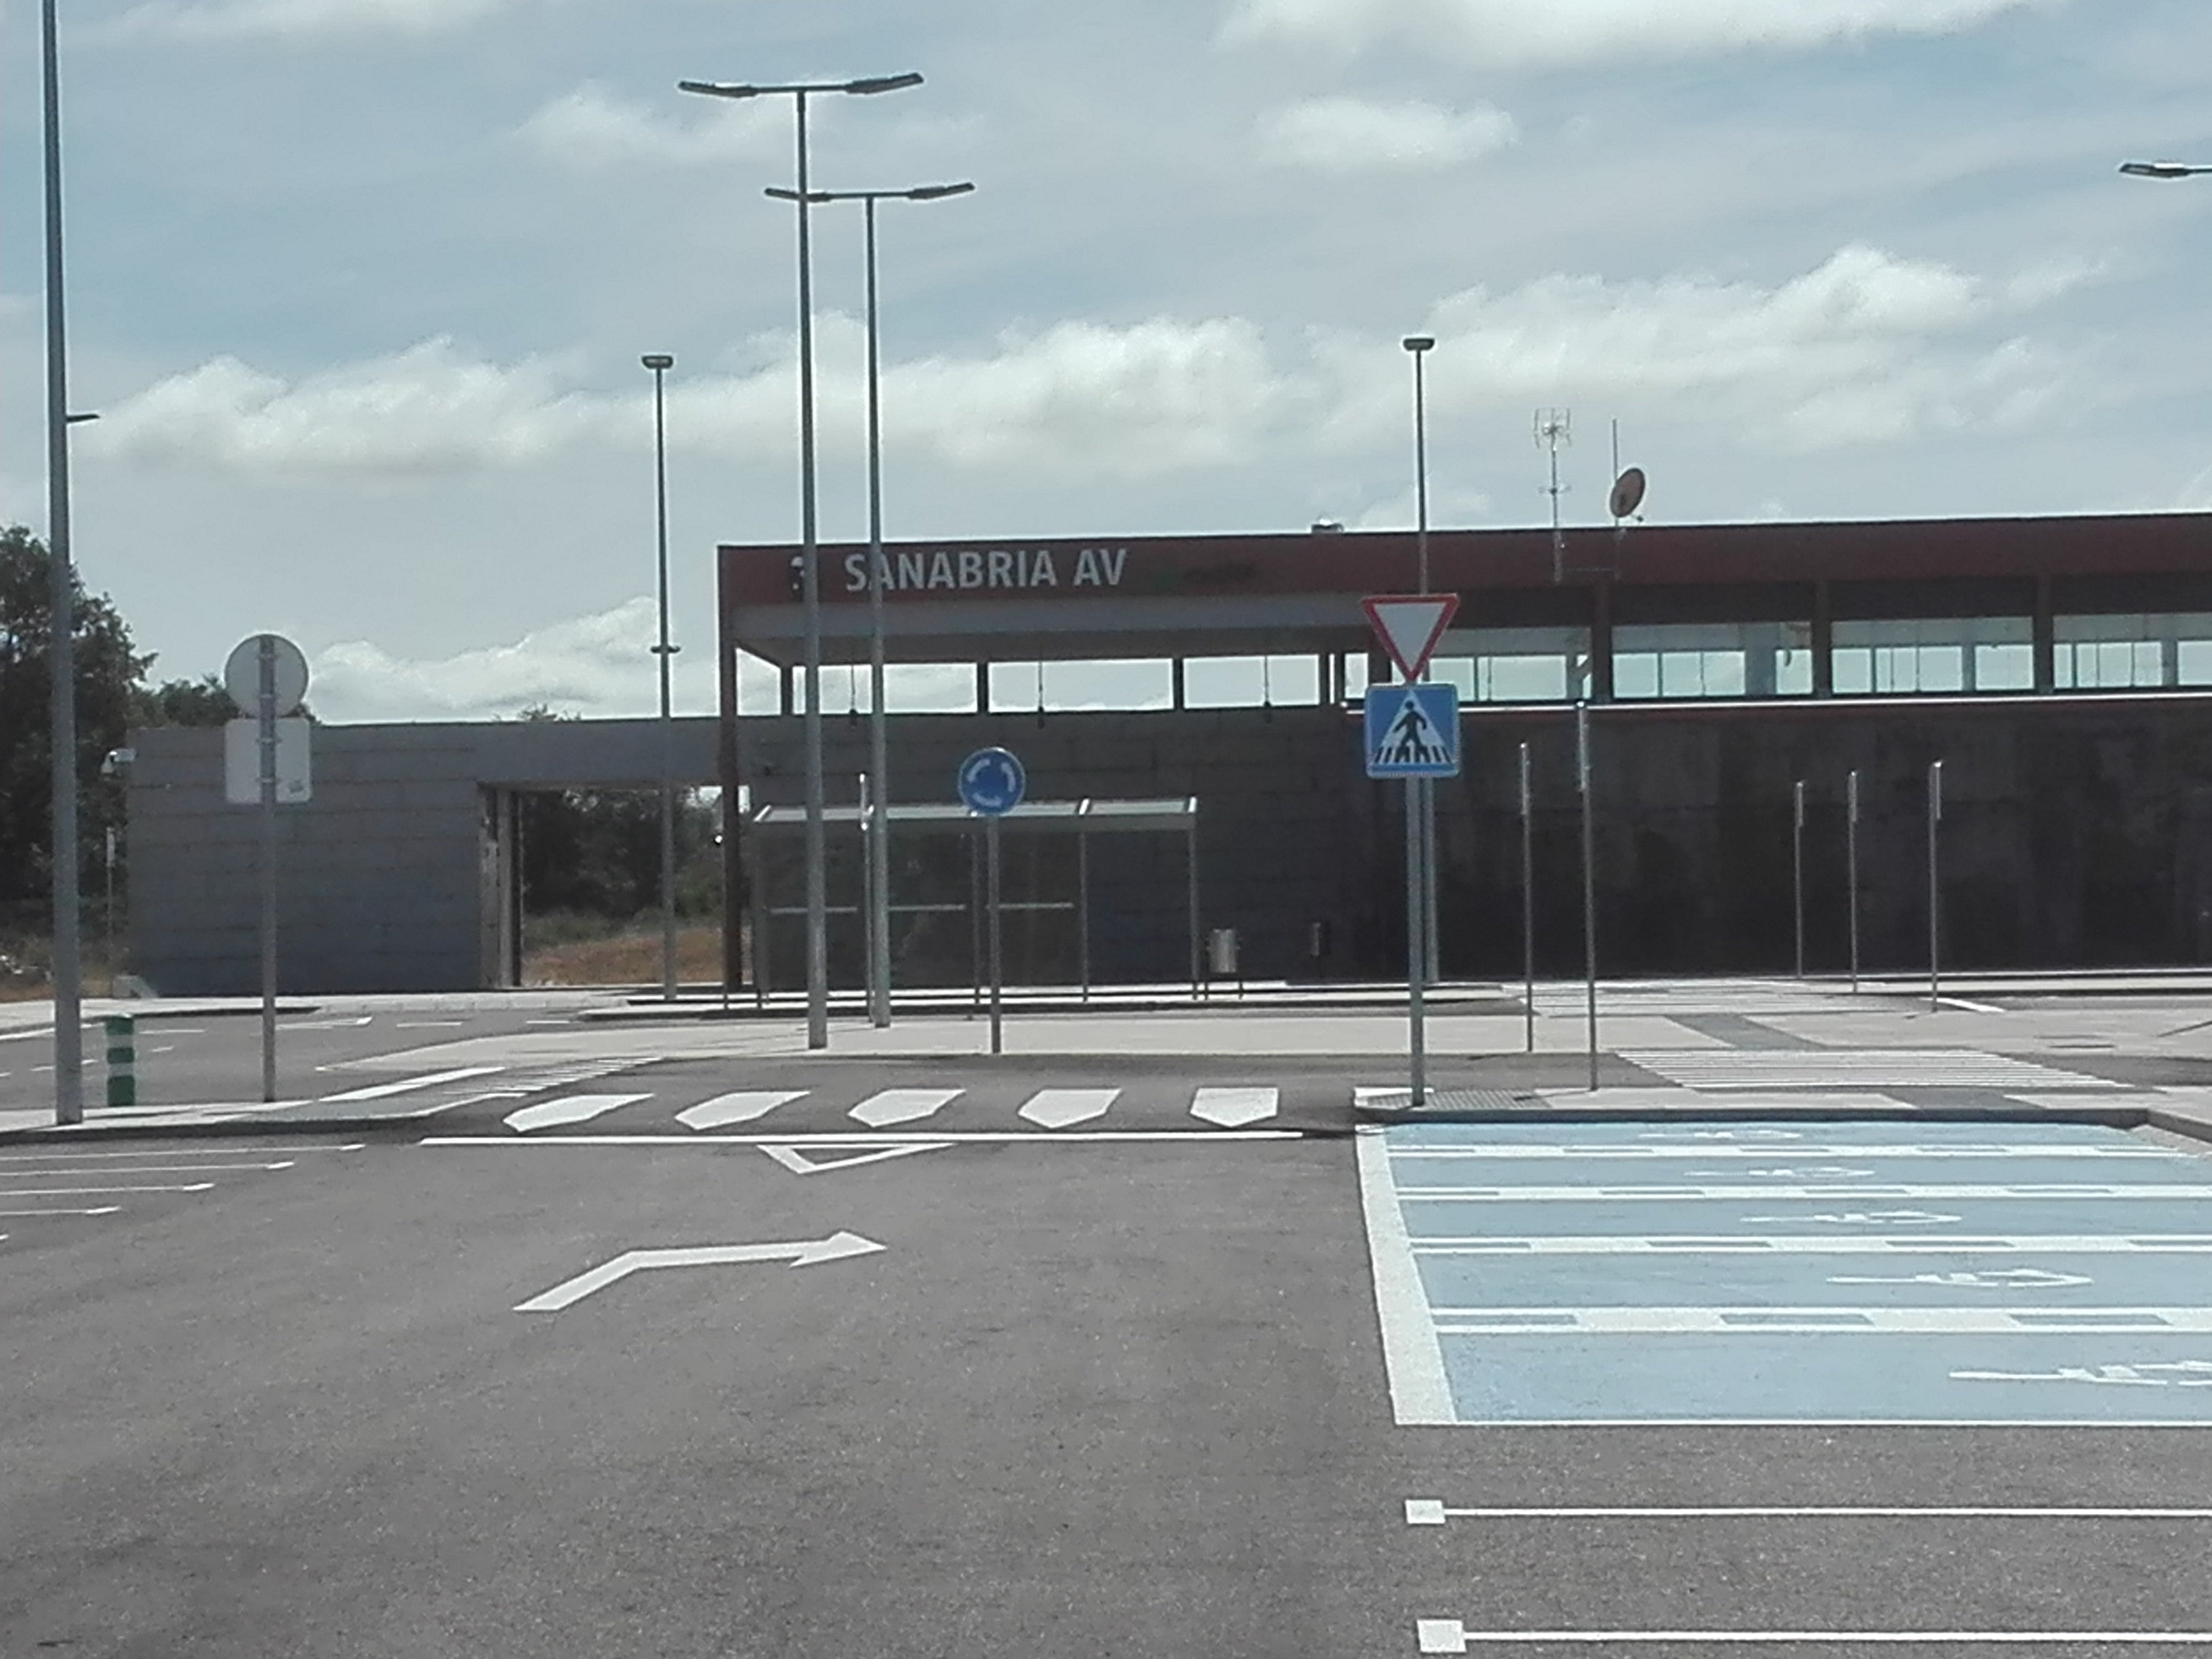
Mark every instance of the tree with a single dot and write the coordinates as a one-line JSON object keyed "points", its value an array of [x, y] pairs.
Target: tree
{"points": [[202, 702], [107, 675]]}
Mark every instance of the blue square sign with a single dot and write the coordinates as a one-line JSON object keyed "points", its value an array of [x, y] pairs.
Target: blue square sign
{"points": [[1412, 730]]}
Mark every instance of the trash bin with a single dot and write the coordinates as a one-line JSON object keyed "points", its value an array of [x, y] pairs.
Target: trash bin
{"points": [[1221, 953]]}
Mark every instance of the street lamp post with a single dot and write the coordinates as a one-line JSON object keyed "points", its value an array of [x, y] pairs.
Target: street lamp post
{"points": [[1419, 345], [68, 964], [661, 362], [817, 944], [879, 877]]}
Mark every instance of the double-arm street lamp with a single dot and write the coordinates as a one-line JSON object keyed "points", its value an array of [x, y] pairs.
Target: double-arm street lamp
{"points": [[878, 884], [817, 951]]}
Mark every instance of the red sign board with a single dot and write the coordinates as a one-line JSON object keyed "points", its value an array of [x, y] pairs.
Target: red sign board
{"points": [[1409, 625]]}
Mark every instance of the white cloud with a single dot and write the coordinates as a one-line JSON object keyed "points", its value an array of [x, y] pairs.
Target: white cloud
{"points": [[227, 20], [599, 665], [588, 130], [1553, 31], [1352, 135], [427, 410]]}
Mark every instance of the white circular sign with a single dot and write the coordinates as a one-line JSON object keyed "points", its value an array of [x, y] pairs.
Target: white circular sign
{"points": [[241, 675]]}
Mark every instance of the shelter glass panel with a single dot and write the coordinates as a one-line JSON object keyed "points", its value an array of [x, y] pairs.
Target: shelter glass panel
{"points": [[1514, 664], [1905, 656], [2131, 653], [1713, 660], [929, 688], [1250, 681]]}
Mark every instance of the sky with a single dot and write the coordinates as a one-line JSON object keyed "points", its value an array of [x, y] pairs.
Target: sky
{"points": [[358, 287]]}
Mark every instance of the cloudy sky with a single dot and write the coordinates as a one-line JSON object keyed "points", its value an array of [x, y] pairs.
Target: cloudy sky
{"points": [[358, 287]]}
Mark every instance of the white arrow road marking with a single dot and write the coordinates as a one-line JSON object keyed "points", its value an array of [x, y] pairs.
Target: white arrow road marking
{"points": [[568, 1108], [93, 1192], [1233, 1109], [901, 1105], [805, 1254], [2169, 1374], [740, 1108], [790, 1155], [1865, 1218], [1996, 1278], [1055, 1108], [378, 1091], [1452, 1636], [103, 1209]]}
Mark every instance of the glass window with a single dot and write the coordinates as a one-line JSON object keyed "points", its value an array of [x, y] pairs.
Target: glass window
{"points": [[925, 688], [1713, 660], [1514, 664], [1904, 656], [2125, 653], [1250, 681]]}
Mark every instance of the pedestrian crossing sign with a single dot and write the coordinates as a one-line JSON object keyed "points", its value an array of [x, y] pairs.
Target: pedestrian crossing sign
{"points": [[1412, 730]]}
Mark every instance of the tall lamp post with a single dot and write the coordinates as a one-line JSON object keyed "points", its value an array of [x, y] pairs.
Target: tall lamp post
{"points": [[68, 964], [1419, 345], [661, 362], [879, 858], [817, 943]]}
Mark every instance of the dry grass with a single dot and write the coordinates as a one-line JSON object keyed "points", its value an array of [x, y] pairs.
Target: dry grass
{"points": [[626, 959]]}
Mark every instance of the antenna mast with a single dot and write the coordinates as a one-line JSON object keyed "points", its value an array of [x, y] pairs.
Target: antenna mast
{"points": [[1553, 429]]}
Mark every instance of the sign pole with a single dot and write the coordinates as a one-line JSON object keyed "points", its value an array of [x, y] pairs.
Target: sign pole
{"points": [[267, 654], [1527, 906], [1797, 867], [1935, 906], [1416, 945], [991, 860], [1590, 888], [1851, 859]]}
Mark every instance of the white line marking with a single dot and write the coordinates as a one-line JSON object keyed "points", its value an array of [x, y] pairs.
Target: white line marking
{"points": [[793, 1155], [568, 1108], [102, 1209], [901, 1105], [1433, 1512], [2174, 1190], [1233, 1109], [426, 1025], [740, 1108], [1814, 1244], [1452, 1636], [1055, 1108], [378, 1091], [1413, 1357], [1854, 1322], [91, 1191], [803, 1254], [957, 1136]]}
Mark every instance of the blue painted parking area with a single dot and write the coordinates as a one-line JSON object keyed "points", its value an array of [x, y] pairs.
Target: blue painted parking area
{"points": [[1878, 1272]]}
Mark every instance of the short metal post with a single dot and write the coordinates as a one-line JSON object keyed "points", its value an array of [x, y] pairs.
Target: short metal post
{"points": [[1528, 905], [991, 860], [1797, 868], [122, 1060], [1082, 910], [1934, 888], [1590, 887], [1851, 861]]}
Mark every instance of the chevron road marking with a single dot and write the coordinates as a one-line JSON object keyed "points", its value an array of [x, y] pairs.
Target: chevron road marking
{"points": [[1233, 1109], [740, 1108], [568, 1108], [902, 1105], [1055, 1108]]}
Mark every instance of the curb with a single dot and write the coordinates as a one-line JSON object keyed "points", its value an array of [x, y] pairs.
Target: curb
{"points": [[57, 1134], [2111, 1117]]}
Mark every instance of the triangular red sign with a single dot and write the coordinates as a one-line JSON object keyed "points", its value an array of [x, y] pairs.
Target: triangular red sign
{"points": [[1409, 625]]}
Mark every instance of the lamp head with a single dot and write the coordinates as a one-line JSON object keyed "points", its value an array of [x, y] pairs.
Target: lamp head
{"points": [[2158, 169], [939, 193], [881, 83], [656, 361], [1417, 342], [718, 88]]}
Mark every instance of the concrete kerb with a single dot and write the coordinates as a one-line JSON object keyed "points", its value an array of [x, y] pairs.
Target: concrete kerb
{"points": [[54, 1134]]}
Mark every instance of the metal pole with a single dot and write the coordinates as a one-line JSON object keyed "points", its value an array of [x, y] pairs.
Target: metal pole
{"points": [[1190, 871], [818, 939], [997, 960], [879, 954], [864, 823], [1082, 908], [1528, 905], [665, 652], [1797, 867], [108, 871], [975, 921], [267, 733], [68, 966], [1851, 862], [1590, 886], [1935, 895], [1416, 946]]}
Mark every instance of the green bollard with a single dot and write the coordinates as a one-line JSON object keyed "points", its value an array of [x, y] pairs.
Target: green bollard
{"points": [[122, 1060]]}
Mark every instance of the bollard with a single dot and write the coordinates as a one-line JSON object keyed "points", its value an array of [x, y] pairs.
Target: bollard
{"points": [[122, 1060]]}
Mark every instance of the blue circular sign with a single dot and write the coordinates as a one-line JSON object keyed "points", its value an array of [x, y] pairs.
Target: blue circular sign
{"points": [[992, 783]]}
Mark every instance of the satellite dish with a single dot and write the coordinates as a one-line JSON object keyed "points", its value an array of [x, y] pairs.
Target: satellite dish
{"points": [[1627, 493]]}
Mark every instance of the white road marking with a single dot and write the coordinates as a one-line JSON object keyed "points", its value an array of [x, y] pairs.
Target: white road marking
{"points": [[1906, 1321], [95, 1192], [568, 1109], [901, 1105], [378, 1091], [1452, 1636], [1055, 1108], [2001, 1278], [803, 1254], [1433, 1512], [427, 1025], [328, 1024], [1411, 1355], [102, 1209], [793, 1155], [740, 1108], [1902, 1149], [2144, 1374], [951, 1137], [1816, 1244], [1233, 1109], [1821, 1189]]}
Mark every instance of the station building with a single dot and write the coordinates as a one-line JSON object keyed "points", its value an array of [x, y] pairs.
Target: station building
{"points": [[2059, 668]]}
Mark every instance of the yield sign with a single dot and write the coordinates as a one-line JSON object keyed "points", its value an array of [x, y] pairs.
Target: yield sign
{"points": [[1409, 625]]}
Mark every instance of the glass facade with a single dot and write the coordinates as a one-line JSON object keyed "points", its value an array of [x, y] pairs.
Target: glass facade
{"points": [[1514, 664], [2131, 653], [1713, 660], [1907, 656]]}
